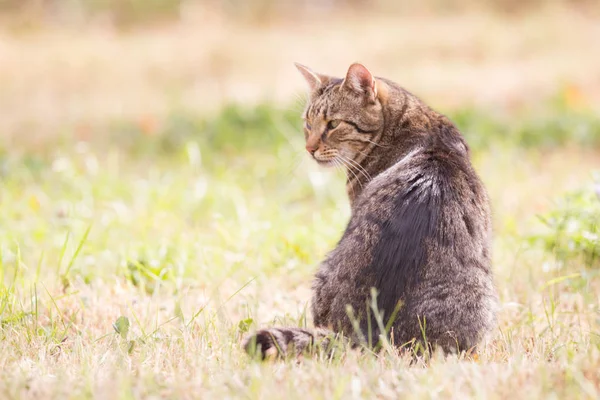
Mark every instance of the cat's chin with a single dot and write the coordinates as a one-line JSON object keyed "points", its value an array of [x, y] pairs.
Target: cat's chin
{"points": [[325, 163]]}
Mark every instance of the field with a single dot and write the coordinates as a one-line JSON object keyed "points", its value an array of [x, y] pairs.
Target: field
{"points": [[156, 204]]}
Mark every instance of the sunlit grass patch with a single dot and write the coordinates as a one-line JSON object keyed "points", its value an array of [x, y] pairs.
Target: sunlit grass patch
{"points": [[267, 126], [197, 230], [573, 228]]}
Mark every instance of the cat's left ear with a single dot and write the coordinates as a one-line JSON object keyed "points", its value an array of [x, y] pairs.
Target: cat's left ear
{"points": [[313, 79], [361, 81]]}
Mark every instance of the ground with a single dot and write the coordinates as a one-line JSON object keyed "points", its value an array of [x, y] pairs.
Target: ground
{"points": [[132, 187]]}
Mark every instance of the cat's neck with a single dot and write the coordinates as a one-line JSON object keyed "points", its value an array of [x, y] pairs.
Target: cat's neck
{"points": [[371, 163], [408, 123]]}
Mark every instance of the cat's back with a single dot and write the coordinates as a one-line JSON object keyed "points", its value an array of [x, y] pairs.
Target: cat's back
{"points": [[437, 170], [434, 233]]}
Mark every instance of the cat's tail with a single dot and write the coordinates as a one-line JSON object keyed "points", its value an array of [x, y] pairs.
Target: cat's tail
{"points": [[284, 342]]}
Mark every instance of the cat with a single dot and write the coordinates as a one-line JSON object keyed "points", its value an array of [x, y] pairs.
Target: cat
{"points": [[419, 231]]}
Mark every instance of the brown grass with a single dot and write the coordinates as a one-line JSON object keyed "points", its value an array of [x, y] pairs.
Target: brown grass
{"points": [[237, 241]]}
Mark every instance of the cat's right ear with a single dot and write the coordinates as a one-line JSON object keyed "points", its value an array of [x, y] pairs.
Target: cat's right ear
{"points": [[359, 80], [313, 79]]}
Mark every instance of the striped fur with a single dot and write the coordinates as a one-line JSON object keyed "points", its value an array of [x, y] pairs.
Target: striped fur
{"points": [[420, 229], [289, 341]]}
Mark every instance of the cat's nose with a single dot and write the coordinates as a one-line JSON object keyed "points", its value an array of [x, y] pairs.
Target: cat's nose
{"points": [[312, 147]]}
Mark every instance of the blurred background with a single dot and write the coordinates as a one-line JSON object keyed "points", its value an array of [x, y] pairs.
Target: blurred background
{"points": [[173, 126], [66, 63], [152, 165]]}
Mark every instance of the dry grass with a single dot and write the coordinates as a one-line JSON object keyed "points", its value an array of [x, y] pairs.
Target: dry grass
{"points": [[242, 253], [203, 243]]}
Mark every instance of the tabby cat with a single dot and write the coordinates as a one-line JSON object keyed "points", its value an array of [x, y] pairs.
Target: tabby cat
{"points": [[420, 228]]}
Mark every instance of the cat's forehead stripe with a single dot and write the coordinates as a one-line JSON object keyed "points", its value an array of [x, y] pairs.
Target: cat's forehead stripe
{"points": [[318, 107], [320, 103]]}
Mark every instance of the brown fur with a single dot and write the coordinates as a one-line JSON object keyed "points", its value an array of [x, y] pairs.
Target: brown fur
{"points": [[420, 229]]}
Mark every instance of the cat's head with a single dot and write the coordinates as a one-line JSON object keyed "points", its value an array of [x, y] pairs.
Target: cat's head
{"points": [[343, 116]]}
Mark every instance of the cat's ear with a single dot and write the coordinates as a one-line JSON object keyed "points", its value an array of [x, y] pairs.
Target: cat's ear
{"points": [[361, 81], [313, 79]]}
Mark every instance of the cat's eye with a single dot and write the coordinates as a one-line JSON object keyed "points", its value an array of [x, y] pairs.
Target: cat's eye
{"points": [[307, 125], [333, 124]]}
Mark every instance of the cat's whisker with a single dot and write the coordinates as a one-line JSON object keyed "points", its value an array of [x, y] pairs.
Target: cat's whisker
{"points": [[359, 167], [300, 100], [365, 155], [337, 165], [340, 166], [377, 144], [352, 167], [349, 168]]}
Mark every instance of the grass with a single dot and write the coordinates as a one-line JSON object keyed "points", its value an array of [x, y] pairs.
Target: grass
{"points": [[574, 228], [133, 260], [141, 235]]}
